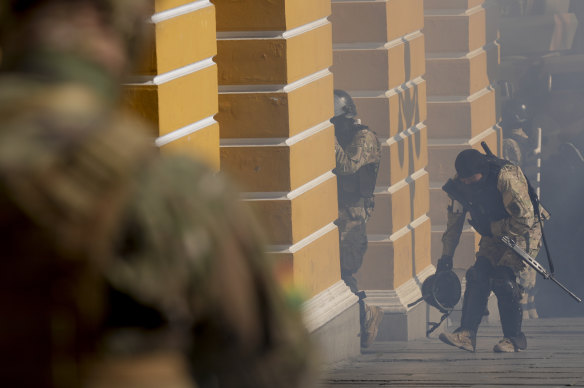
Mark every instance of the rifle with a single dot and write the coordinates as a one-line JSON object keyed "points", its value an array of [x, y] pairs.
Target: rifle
{"points": [[536, 208], [535, 265]]}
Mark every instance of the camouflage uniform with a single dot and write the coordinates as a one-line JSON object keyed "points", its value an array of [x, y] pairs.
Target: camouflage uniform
{"points": [[516, 149], [509, 213], [358, 154], [121, 267]]}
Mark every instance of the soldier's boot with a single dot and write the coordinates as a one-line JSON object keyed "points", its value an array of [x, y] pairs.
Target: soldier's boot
{"points": [[460, 338], [508, 294], [370, 325], [474, 306], [532, 312], [506, 345]]}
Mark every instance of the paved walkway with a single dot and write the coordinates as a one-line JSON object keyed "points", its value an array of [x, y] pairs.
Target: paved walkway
{"points": [[554, 358]]}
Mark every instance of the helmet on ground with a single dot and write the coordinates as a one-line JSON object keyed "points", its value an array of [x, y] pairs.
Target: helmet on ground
{"points": [[442, 290], [344, 105]]}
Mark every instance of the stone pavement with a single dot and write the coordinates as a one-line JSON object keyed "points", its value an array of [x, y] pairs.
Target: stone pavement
{"points": [[554, 358]]}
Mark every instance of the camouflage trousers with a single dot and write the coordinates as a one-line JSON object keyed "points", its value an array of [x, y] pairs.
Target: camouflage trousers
{"points": [[498, 254], [353, 242]]}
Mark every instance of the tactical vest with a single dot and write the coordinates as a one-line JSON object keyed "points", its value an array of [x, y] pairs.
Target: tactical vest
{"points": [[354, 187]]}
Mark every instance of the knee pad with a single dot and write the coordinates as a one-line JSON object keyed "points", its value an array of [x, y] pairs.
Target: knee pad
{"points": [[505, 285], [479, 273]]}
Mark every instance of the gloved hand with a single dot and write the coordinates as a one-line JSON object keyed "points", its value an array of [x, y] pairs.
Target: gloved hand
{"points": [[444, 263]]}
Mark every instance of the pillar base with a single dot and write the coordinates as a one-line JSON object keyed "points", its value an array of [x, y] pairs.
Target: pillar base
{"points": [[402, 322], [332, 318]]}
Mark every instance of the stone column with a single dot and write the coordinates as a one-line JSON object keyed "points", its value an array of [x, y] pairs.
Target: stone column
{"points": [[462, 55], [275, 102], [176, 88], [379, 60]]}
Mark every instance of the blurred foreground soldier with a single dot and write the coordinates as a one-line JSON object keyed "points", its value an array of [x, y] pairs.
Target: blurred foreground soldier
{"points": [[358, 154], [120, 268], [495, 192]]}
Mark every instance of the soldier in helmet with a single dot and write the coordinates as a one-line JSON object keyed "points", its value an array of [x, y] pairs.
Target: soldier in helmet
{"points": [[520, 148], [358, 154], [120, 267], [496, 194]]}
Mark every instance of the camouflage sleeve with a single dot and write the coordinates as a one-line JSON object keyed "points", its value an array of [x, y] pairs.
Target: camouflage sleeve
{"points": [[455, 222], [511, 151], [513, 188], [194, 252], [364, 149]]}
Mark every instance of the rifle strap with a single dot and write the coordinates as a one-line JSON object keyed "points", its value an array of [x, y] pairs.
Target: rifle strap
{"points": [[545, 245], [434, 325]]}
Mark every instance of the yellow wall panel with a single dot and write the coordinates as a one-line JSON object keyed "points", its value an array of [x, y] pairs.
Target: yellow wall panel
{"points": [[375, 21], [311, 104], [287, 221], [388, 116], [147, 64], [359, 21], [456, 33], [395, 162], [269, 15], [258, 168], [262, 15], [414, 57], [314, 209], [457, 76], [309, 158], [185, 39], [300, 12], [309, 52], [462, 119], [418, 148], [143, 100], [379, 68], [422, 245], [275, 216], [451, 4], [392, 211], [277, 60], [396, 208], [251, 61], [420, 195], [275, 114], [315, 267], [202, 144], [372, 65], [177, 103], [280, 167], [402, 249], [254, 115], [387, 263], [188, 99], [404, 17], [163, 5]]}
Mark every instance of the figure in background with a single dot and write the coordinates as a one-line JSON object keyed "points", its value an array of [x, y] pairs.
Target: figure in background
{"points": [[495, 193], [358, 153], [522, 149], [120, 267]]}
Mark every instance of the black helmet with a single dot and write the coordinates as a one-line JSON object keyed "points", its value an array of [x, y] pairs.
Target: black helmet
{"points": [[442, 290], [515, 114], [470, 162], [344, 105]]}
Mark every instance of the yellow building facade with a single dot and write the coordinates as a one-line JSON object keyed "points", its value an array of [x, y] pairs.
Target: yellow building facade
{"points": [[247, 85]]}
